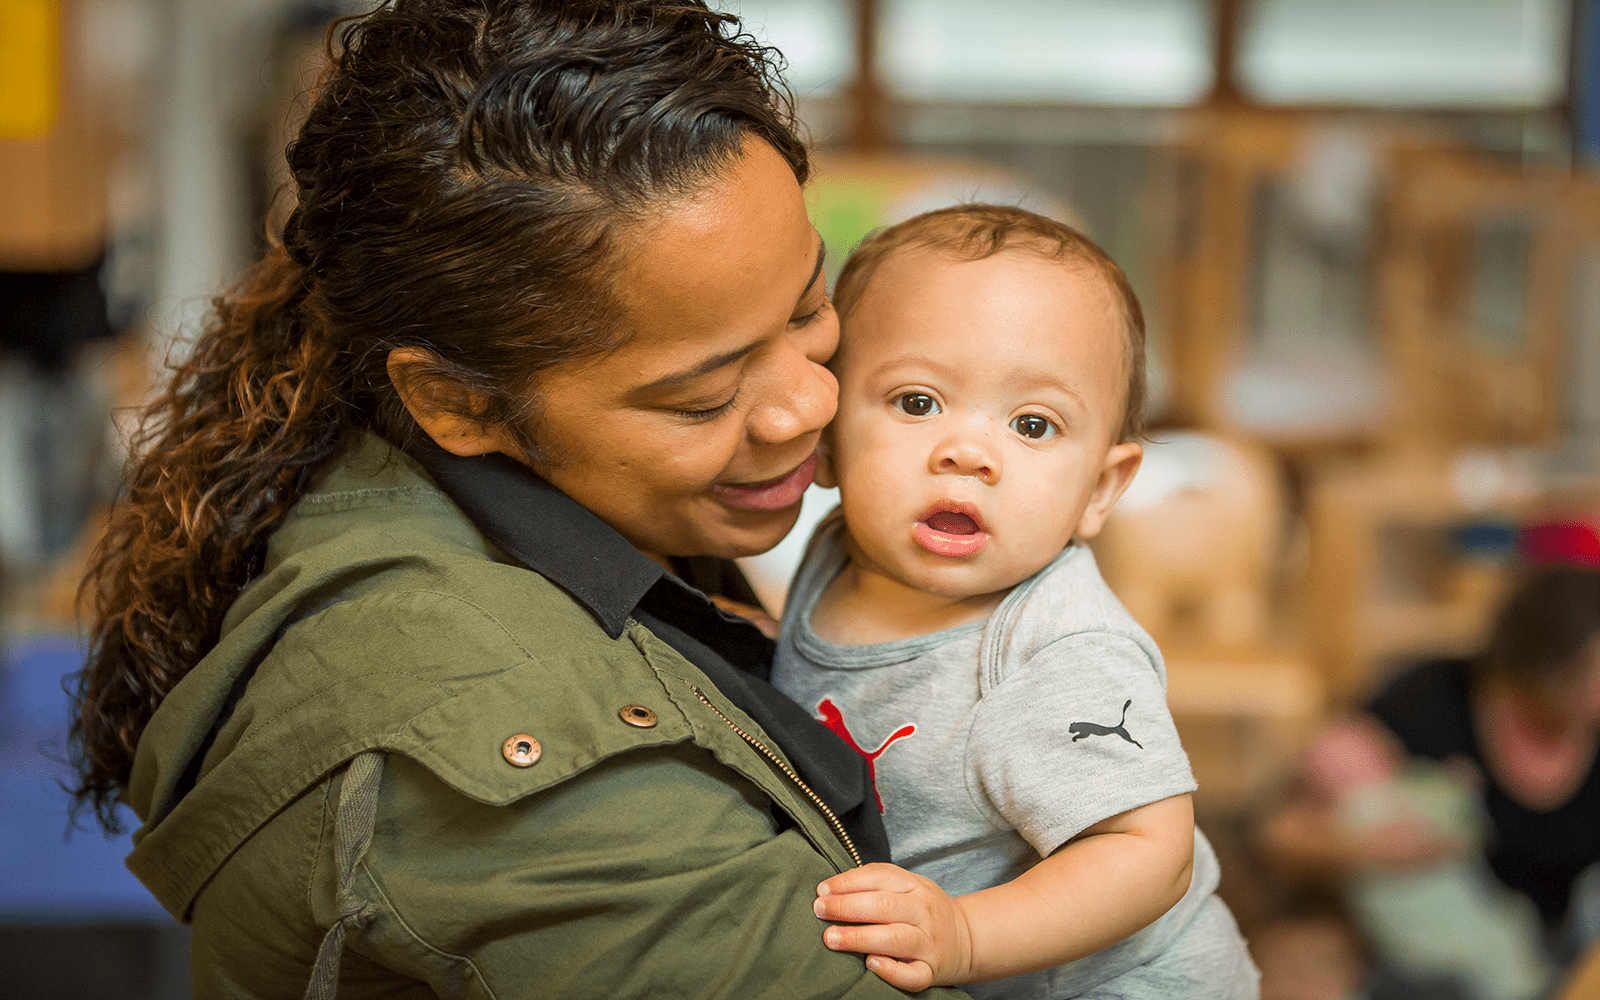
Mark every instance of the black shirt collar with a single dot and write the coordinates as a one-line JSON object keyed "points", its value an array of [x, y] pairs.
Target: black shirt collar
{"points": [[545, 530]]}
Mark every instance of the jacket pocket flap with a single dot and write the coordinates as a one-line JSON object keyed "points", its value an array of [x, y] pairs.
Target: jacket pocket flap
{"points": [[560, 716]]}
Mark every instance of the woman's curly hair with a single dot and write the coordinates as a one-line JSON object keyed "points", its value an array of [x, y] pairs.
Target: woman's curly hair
{"points": [[461, 183]]}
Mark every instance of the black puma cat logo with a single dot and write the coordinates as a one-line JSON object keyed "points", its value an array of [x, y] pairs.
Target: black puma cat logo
{"points": [[1079, 730]]}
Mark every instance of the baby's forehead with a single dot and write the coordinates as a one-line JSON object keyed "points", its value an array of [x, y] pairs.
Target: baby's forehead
{"points": [[907, 274], [1018, 251], [911, 269]]}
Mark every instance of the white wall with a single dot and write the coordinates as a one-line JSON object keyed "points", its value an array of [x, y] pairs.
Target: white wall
{"points": [[213, 69]]}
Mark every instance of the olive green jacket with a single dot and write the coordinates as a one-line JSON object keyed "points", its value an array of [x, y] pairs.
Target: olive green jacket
{"points": [[663, 859]]}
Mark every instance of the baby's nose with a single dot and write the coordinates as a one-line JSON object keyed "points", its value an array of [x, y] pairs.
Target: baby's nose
{"points": [[968, 457]]}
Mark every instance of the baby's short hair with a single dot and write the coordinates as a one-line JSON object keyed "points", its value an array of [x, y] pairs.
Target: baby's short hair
{"points": [[976, 231]]}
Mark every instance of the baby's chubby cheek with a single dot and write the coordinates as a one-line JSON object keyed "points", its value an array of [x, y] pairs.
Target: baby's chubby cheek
{"points": [[876, 494]]}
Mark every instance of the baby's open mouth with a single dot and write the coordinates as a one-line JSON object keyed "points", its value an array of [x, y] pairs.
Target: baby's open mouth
{"points": [[952, 533], [952, 522]]}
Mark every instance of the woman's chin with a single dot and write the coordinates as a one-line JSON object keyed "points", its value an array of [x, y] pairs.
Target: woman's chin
{"points": [[756, 532]]}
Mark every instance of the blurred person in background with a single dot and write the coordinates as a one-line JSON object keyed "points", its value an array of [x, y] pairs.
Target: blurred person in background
{"points": [[1448, 918], [1520, 724], [395, 650]]}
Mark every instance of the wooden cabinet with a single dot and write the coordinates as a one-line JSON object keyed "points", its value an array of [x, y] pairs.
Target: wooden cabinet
{"points": [[53, 165]]}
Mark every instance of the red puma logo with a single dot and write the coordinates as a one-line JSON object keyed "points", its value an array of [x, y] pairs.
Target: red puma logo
{"points": [[831, 717]]}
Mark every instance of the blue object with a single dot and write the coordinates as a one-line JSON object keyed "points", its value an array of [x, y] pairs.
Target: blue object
{"points": [[1586, 85], [1493, 540], [47, 876]]}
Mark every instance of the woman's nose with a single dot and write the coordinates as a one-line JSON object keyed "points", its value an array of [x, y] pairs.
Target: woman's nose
{"points": [[800, 401], [969, 452]]}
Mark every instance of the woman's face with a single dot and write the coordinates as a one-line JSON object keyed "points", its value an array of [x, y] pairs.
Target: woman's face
{"points": [[697, 437]]}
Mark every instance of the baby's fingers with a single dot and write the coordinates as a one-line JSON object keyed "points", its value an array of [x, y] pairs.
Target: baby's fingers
{"points": [[901, 941], [871, 907], [867, 878], [913, 977]]}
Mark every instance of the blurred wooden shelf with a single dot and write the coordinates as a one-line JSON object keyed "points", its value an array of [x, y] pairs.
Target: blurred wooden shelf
{"points": [[1419, 627], [1243, 716], [1243, 684]]}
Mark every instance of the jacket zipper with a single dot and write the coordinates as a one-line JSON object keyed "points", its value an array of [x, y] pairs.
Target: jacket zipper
{"points": [[816, 800]]}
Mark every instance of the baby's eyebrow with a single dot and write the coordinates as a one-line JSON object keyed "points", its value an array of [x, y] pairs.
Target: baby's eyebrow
{"points": [[921, 360], [1025, 380], [1043, 380]]}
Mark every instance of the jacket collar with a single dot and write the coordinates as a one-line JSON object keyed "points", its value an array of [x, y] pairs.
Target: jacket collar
{"points": [[560, 539], [545, 530]]}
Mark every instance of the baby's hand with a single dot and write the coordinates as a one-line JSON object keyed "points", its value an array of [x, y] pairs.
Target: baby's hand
{"points": [[913, 934]]}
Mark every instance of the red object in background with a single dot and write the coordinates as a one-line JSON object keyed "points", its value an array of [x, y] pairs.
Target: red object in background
{"points": [[1567, 543]]}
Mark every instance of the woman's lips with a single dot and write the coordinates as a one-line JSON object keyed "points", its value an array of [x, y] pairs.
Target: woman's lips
{"points": [[951, 529], [774, 494]]}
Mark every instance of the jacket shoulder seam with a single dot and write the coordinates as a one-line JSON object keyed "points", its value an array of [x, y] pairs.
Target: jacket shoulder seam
{"points": [[486, 614], [355, 604], [346, 678], [248, 737], [373, 493]]}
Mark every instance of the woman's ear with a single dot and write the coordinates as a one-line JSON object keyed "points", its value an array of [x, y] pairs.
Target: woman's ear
{"points": [[442, 410], [1116, 472], [826, 477]]}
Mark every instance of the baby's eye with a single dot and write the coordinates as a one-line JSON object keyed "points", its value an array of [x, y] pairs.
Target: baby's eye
{"points": [[917, 404], [1031, 425]]}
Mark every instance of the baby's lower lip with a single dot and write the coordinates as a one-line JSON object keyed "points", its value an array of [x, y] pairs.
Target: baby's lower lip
{"points": [[944, 543], [774, 494]]}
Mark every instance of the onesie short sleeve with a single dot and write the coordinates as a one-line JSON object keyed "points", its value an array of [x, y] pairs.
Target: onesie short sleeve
{"points": [[1073, 735]]}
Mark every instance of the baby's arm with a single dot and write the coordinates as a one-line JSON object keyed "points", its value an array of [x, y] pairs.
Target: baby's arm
{"points": [[1111, 880]]}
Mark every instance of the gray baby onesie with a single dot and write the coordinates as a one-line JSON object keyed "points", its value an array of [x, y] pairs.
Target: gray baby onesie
{"points": [[995, 743]]}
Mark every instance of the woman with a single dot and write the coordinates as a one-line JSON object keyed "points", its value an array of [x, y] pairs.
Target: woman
{"points": [[388, 657]]}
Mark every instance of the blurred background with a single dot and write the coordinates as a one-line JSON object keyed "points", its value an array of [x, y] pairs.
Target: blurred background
{"points": [[1366, 234]]}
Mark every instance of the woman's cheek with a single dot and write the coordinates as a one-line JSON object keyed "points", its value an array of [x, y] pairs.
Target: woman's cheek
{"points": [[698, 460]]}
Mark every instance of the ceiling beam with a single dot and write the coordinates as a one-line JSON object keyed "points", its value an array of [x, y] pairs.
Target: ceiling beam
{"points": [[1226, 18], [868, 99]]}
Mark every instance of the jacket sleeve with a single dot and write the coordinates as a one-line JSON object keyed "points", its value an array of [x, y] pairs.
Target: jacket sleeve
{"points": [[657, 873]]}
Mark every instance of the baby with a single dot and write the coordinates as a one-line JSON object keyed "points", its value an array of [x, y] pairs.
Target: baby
{"points": [[949, 622]]}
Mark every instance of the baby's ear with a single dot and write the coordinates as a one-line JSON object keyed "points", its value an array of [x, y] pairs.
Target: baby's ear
{"points": [[826, 477], [1121, 462]]}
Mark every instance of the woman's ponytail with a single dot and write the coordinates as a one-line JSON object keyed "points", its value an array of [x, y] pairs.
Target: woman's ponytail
{"points": [[217, 460]]}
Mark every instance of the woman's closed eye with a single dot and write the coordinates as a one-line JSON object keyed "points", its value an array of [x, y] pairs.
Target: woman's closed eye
{"points": [[710, 413], [811, 316]]}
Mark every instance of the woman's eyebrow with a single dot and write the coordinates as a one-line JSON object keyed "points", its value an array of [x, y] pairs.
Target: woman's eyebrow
{"points": [[705, 367], [711, 364], [822, 255]]}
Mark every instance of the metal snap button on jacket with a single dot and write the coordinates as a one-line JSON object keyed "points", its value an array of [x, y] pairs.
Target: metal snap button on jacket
{"points": [[638, 715], [521, 750]]}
